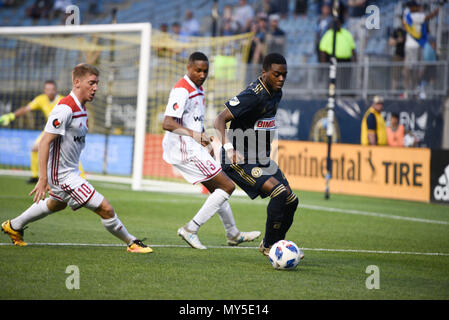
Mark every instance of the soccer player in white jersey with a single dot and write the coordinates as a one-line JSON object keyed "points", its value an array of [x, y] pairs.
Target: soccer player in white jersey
{"points": [[59, 153], [184, 147]]}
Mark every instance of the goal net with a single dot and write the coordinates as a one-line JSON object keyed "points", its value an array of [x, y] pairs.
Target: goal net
{"points": [[138, 67]]}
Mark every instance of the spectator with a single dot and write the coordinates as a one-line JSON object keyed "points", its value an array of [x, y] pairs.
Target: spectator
{"points": [[373, 129], [176, 29], [227, 24], [60, 6], [190, 26], [356, 8], [323, 23], [39, 9], [243, 14], [163, 27], [266, 6], [275, 36], [280, 7], [415, 24], [160, 39], [395, 132], [344, 48], [397, 40], [300, 7], [258, 49], [344, 52], [429, 74], [179, 36]]}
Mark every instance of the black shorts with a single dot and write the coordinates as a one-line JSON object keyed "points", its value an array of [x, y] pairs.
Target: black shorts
{"points": [[251, 177]]}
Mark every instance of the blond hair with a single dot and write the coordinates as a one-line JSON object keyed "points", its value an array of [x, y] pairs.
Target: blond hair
{"points": [[82, 70]]}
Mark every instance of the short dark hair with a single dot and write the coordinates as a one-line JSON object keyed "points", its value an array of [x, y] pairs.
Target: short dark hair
{"points": [[271, 58], [197, 56], [50, 81], [395, 115]]}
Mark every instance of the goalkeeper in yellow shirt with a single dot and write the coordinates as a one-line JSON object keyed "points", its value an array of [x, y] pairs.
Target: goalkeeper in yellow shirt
{"points": [[44, 102]]}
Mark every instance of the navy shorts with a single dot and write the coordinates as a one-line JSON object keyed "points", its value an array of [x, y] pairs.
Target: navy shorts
{"points": [[251, 177]]}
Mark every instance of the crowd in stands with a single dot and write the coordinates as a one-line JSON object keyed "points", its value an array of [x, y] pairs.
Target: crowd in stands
{"points": [[268, 20]]}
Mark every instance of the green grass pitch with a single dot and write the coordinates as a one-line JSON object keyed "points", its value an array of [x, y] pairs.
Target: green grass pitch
{"points": [[341, 237]]}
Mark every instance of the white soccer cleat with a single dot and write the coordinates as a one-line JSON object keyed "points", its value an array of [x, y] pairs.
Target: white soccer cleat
{"points": [[243, 237], [191, 238]]}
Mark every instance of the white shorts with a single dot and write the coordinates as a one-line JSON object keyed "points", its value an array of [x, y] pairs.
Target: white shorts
{"points": [[199, 168], [76, 192]]}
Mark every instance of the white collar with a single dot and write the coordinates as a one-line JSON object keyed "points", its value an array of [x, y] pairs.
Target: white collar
{"points": [[78, 103], [192, 84]]}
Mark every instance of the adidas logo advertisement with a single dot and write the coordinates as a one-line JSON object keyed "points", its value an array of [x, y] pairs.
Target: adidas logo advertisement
{"points": [[440, 176], [441, 192]]}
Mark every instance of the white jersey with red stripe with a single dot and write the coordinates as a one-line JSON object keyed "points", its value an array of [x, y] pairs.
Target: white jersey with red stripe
{"points": [[69, 121], [186, 104]]}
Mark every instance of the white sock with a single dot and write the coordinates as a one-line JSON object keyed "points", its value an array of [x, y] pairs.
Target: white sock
{"points": [[116, 227], [35, 212], [227, 218], [212, 204]]}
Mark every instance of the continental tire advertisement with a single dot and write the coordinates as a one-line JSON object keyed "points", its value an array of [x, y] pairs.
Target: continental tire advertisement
{"points": [[387, 172]]}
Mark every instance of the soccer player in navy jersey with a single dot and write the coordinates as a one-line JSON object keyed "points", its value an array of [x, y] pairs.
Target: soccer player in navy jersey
{"points": [[246, 150]]}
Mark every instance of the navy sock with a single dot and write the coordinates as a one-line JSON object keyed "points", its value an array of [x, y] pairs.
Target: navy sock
{"points": [[291, 204], [275, 215]]}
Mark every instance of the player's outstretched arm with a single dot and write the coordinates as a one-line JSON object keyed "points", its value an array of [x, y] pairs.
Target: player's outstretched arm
{"points": [[6, 119], [170, 124], [42, 186]]}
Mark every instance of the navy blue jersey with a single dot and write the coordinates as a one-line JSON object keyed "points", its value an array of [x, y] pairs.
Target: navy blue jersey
{"points": [[253, 126]]}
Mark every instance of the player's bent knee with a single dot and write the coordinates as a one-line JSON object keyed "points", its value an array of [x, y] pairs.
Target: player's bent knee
{"points": [[292, 200], [105, 210], [55, 205]]}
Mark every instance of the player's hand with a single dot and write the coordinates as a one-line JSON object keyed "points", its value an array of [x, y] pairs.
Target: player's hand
{"points": [[40, 190], [203, 139], [235, 156], [7, 118]]}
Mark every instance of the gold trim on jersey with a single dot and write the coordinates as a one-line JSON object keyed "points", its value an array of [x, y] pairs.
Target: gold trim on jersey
{"points": [[243, 174], [261, 82]]}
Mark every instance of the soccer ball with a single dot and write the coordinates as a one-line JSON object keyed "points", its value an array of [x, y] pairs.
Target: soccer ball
{"points": [[284, 255]]}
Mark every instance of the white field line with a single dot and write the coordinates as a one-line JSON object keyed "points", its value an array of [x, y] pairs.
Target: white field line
{"points": [[228, 247], [198, 197], [372, 214]]}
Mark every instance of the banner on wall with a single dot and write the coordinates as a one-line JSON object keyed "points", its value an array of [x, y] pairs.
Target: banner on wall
{"points": [[306, 120], [15, 148], [387, 172], [439, 176]]}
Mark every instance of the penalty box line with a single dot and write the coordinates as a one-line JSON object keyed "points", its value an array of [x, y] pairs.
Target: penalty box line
{"points": [[232, 247]]}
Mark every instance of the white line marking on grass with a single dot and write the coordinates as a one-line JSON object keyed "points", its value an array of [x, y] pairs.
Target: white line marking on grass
{"points": [[229, 247], [372, 214], [196, 197]]}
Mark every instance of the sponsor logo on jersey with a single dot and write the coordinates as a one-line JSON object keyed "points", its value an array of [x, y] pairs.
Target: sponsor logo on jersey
{"points": [[56, 123], [198, 118], [234, 101], [256, 172], [265, 124], [79, 139], [175, 106]]}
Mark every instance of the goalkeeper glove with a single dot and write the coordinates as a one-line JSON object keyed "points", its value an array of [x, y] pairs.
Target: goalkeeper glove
{"points": [[7, 118]]}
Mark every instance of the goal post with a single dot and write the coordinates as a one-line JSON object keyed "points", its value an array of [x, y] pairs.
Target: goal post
{"points": [[125, 118], [40, 37]]}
